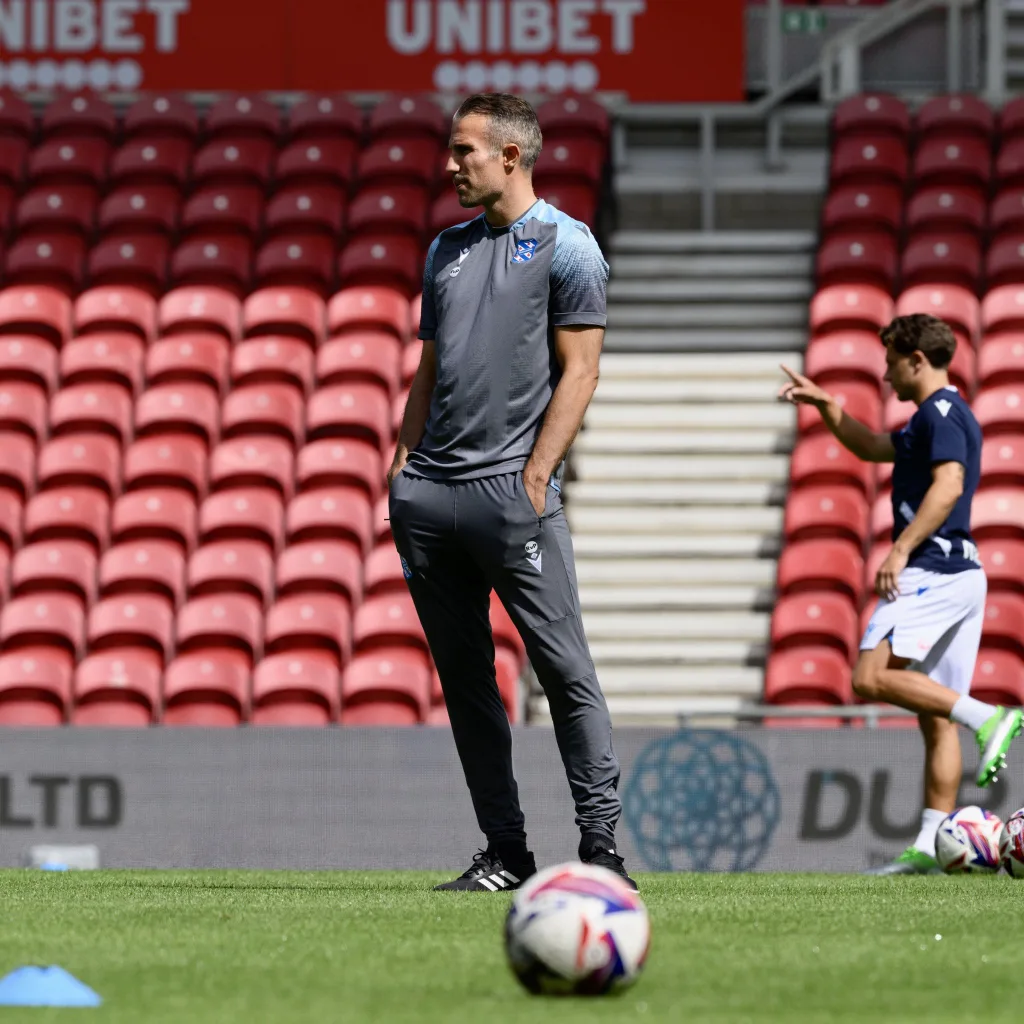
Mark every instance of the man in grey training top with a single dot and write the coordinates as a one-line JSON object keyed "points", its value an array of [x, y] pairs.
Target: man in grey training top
{"points": [[512, 324]]}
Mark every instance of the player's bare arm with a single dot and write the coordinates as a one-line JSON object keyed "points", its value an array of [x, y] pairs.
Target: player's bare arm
{"points": [[578, 350], [417, 408], [947, 486], [850, 432]]}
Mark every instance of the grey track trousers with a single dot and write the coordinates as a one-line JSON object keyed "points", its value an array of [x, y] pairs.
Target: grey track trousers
{"points": [[459, 540]]}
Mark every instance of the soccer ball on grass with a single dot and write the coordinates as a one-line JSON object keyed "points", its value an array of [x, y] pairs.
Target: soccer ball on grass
{"points": [[1011, 844], [968, 842]]}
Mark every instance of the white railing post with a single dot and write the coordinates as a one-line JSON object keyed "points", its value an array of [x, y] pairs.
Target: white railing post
{"points": [[773, 45], [995, 51], [849, 68], [954, 46]]}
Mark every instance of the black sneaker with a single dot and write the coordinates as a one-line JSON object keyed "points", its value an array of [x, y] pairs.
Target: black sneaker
{"points": [[597, 848], [489, 874]]}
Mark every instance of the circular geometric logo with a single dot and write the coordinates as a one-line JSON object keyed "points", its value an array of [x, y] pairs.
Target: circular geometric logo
{"points": [[701, 800]]}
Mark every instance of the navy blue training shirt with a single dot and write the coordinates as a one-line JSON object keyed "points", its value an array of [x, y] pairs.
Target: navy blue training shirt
{"points": [[942, 430], [492, 298]]}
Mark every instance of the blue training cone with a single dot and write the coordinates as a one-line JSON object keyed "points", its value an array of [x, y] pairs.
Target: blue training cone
{"points": [[45, 986]]}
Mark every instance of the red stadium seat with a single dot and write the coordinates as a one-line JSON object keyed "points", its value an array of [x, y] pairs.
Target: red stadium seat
{"points": [[23, 408], [447, 211], [881, 519], [826, 512], [179, 409], [872, 160], [316, 209], [998, 678], [264, 409], [1003, 628], [871, 114], [54, 260], [70, 162], [845, 307], [55, 565], [221, 622], [388, 621], [1009, 172], [955, 160], [16, 117], [940, 209], [68, 513], [399, 161], [167, 460], [331, 513], [846, 356], [321, 566], [207, 690], [132, 620], [117, 689], [1001, 361], [578, 201], [236, 161], [412, 354], [92, 408], [857, 257], [273, 360], [387, 209], [356, 309], [201, 357], [29, 359], [334, 463], [8, 194], [297, 261], [953, 258], [956, 305], [867, 207], [857, 398], [318, 116], [113, 359], [360, 411], [242, 116], [112, 308], [155, 513], [1004, 263], [372, 357], [820, 460], [243, 513], [574, 116], [381, 521], [295, 689], [219, 211], [35, 688], [570, 162], [311, 622], [147, 162], [231, 567], [17, 463], [1002, 309], [310, 163], [161, 115], [10, 526], [384, 571], [998, 513], [808, 675], [53, 209], [51, 620], [80, 460], [1006, 214], [1000, 410], [1004, 564], [144, 567], [147, 209], [960, 114], [392, 261], [77, 115], [134, 260], [397, 680], [215, 261], [409, 115], [35, 309], [825, 619], [504, 629], [253, 461], [295, 312]]}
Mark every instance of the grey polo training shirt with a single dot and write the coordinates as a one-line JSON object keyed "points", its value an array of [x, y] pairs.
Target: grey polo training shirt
{"points": [[492, 298]]}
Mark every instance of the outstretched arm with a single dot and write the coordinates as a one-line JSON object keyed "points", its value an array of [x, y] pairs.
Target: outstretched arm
{"points": [[851, 433]]}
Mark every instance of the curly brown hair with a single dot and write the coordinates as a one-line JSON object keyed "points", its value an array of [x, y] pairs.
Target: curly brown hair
{"points": [[921, 332]]}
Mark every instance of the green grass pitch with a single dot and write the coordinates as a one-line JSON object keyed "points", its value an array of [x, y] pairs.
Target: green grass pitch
{"points": [[253, 947]]}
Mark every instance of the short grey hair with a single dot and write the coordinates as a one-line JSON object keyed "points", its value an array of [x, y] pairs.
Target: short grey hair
{"points": [[512, 120]]}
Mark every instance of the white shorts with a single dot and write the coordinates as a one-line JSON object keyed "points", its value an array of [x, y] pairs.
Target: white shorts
{"points": [[935, 622]]}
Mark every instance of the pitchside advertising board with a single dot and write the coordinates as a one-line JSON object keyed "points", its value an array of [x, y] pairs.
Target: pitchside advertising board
{"points": [[680, 50], [693, 800]]}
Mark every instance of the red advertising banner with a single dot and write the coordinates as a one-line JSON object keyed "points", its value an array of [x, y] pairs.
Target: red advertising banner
{"points": [[678, 50]]}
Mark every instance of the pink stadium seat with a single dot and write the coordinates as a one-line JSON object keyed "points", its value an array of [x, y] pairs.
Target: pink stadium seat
{"points": [[243, 513], [57, 209], [388, 621], [998, 677], [1002, 309], [139, 261], [132, 620], [953, 160], [162, 115], [231, 567], [391, 261], [198, 358], [117, 689], [871, 114], [35, 309], [956, 305], [805, 675], [869, 160], [150, 209], [197, 308], [942, 258], [897, 413], [881, 519], [207, 690], [358, 411], [325, 115], [70, 162], [1003, 628], [167, 460], [321, 162], [822, 565], [92, 408], [80, 460], [827, 512], [867, 207], [384, 573], [298, 688], [507, 669], [820, 460], [438, 718], [388, 209], [998, 513], [10, 524], [242, 116], [273, 360], [76, 115], [29, 359], [939, 209], [846, 356], [842, 307], [504, 630], [221, 622], [35, 688], [253, 461], [297, 261], [856, 397], [18, 463], [356, 309], [959, 114], [407, 115], [315, 209], [115, 308], [23, 408], [1009, 172], [1000, 410], [234, 161], [290, 311], [372, 357], [311, 623], [331, 513], [822, 618], [381, 521], [1001, 361], [54, 260], [215, 261], [857, 257], [143, 163], [51, 620], [68, 513], [264, 409], [155, 513], [411, 357], [1004, 564], [570, 161], [345, 463], [395, 681], [144, 567], [179, 408], [321, 566], [56, 565]]}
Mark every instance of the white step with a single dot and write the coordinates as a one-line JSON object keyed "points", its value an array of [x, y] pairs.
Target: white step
{"points": [[672, 652], [674, 598], [613, 492], [709, 314], [647, 267], [677, 441], [686, 336], [768, 414], [699, 290], [710, 680], [742, 243], [753, 572], [697, 391], [728, 626], [670, 520], [683, 364], [683, 545], [637, 710], [703, 468]]}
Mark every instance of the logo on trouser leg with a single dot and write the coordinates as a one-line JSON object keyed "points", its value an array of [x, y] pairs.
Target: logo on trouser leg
{"points": [[533, 555], [406, 571]]}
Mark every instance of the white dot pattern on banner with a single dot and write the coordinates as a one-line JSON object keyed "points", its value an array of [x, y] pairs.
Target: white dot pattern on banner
{"points": [[554, 76], [125, 75]]}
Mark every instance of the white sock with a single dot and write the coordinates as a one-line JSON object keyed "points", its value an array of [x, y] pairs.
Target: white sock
{"points": [[931, 819], [972, 713]]}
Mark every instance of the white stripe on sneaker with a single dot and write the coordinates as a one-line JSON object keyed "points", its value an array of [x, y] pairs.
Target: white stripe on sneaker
{"points": [[512, 878], [487, 884], [498, 880]]}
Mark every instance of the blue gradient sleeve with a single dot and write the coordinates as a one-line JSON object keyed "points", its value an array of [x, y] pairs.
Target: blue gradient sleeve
{"points": [[579, 278], [428, 308]]}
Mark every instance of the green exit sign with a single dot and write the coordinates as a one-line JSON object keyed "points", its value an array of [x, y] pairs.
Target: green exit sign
{"points": [[808, 20]]}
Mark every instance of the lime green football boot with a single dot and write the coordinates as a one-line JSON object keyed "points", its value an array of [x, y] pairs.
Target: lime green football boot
{"points": [[994, 739], [911, 861]]}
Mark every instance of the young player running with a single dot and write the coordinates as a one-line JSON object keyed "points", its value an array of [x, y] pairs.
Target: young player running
{"points": [[922, 641]]}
